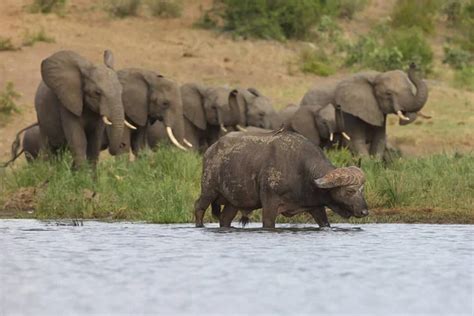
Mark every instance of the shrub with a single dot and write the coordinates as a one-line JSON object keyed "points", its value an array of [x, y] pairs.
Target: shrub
{"points": [[344, 8], [166, 8], [316, 62], [457, 58], [419, 13], [464, 78], [6, 44], [47, 6], [8, 100], [383, 50], [122, 8], [30, 38]]}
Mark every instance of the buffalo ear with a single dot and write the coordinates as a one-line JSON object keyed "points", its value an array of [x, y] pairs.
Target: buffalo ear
{"points": [[193, 104], [134, 95], [109, 59], [62, 73], [303, 122], [323, 183], [356, 96]]}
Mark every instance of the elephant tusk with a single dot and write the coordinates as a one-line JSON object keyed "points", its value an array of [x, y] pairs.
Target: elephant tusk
{"points": [[424, 115], [346, 136], [240, 128], [173, 139], [223, 128], [187, 143], [401, 116], [129, 125], [106, 120], [331, 137]]}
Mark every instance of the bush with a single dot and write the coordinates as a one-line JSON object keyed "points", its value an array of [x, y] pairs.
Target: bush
{"points": [[8, 101], [464, 78], [316, 62], [419, 13], [383, 50], [30, 38], [277, 19], [47, 6], [457, 58], [166, 8], [122, 8], [6, 44]]}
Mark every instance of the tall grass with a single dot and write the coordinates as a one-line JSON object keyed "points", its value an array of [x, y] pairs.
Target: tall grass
{"points": [[161, 187]]}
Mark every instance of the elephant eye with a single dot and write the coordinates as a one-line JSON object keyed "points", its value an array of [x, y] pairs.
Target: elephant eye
{"points": [[166, 104], [97, 93], [261, 114]]}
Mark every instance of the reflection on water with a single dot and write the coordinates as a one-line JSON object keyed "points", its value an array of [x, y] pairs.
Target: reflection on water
{"points": [[127, 268]]}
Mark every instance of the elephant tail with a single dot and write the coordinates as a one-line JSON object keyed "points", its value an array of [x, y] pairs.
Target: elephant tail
{"points": [[216, 210], [16, 148]]}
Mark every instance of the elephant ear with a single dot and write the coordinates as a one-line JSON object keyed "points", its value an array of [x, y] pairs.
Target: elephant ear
{"points": [[304, 123], [62, 73], [237, 101], [356, 97], [134, 95], [109, 59], [193, 104]]}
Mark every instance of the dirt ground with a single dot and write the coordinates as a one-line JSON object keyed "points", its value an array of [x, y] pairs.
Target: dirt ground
{"points": [[182, 52]]}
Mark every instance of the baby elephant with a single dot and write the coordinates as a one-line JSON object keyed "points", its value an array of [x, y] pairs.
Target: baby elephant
{"points": [[281, 172]]}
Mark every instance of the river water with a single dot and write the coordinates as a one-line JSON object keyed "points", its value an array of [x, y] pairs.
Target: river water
{"points": [[135, 268]]}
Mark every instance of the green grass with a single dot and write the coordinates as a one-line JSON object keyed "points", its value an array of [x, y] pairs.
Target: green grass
{"points": [[8, 102], [6, 44], [166, 8], [30, 38], [122, 8], [161, 187], [47, 6]]}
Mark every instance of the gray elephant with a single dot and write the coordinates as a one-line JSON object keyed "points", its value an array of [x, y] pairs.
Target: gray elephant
{"points": [[366, 99], [289, 175], [207, 116], [255, 109], [74, 102], [149, 97], [322, 125], [29, 144]]}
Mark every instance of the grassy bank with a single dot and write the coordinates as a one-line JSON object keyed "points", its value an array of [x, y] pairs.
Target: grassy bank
{"points": [[161, 188]]}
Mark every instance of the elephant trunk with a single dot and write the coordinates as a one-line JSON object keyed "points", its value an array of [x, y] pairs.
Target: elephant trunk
{"points": [[421, 95], [116, 130]]}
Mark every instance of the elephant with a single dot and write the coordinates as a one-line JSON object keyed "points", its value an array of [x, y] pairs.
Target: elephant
{"points": [[149, 97], [322, 125], [29, 144], [289, 175], [207, 115], [74, 101], [366, 99], [255, 109]]}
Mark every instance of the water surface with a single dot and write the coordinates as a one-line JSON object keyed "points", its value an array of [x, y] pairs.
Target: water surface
{"points": [[134, 268]]}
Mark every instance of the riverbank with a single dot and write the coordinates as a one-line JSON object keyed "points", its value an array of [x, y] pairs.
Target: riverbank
{"points": [[161, 187]]}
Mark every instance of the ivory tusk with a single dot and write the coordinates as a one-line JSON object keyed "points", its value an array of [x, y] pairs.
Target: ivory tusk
{"points": [[223, 128], [240, 128], [403, 117], [187, 143], [331, 137], [424, 115], [169, 131], [129, 125], [106, 120], [346, 136]]}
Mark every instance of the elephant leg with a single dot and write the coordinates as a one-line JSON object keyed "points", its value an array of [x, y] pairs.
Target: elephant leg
{"points": [[94, 143], [75, 137], [227, 215], [320, 216], [378, 143]]}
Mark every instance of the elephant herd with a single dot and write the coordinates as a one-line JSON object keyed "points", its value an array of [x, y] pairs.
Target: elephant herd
{"points": [[88, 107]]}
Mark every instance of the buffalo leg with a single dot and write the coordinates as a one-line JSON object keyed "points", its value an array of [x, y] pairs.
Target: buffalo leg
{"points": [[200, 207], [227, 215], [320, 216]]}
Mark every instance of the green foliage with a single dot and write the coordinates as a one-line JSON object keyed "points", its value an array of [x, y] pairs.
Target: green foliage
{"points": [[8, 100], [461, 18], [457, 58], [277, 19], [47, 6], [122, 8], [161, 187], [419, 13], [386, 50], [6, 44], [316, 62], [30, 38], [166, 8], [464, 78]]}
